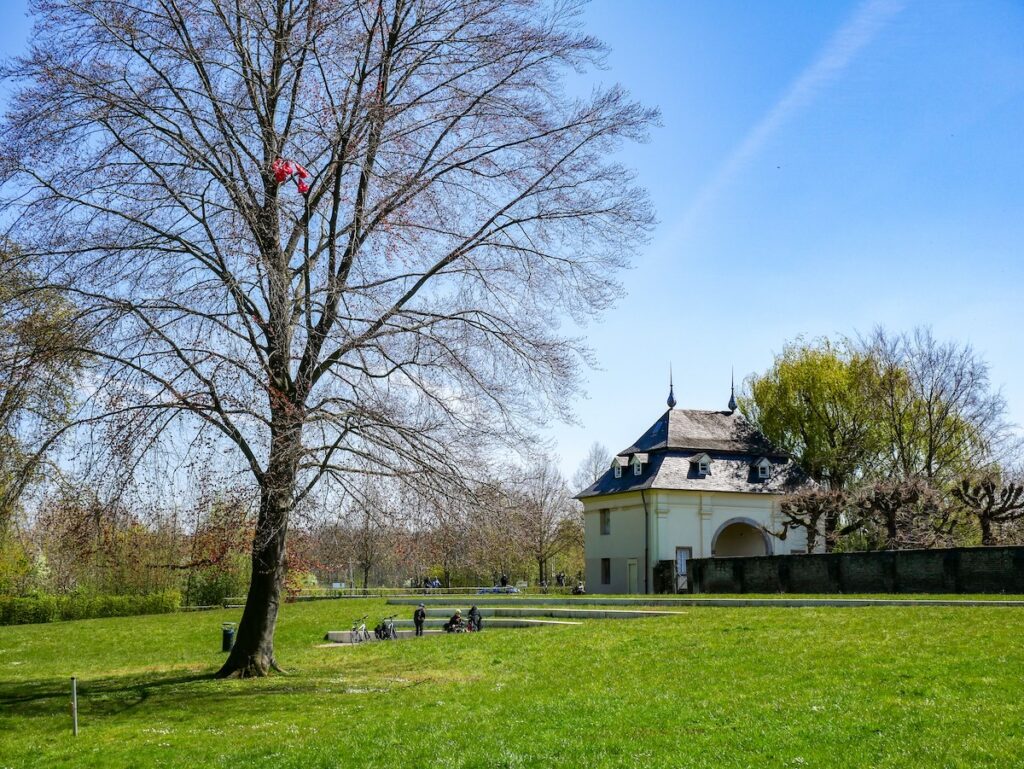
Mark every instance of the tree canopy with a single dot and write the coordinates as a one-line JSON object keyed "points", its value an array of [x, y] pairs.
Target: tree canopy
{"points": [[888, 406], [319, 240]]}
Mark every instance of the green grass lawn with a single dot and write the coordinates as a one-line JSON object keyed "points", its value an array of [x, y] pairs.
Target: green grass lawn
{"points": [[744, 687]]}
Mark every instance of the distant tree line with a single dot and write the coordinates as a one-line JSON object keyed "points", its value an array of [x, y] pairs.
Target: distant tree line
{"points": [[906, 441], [525, 527]]}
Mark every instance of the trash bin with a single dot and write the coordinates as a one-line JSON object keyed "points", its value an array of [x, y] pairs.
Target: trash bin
{"points": [[227, 636]]}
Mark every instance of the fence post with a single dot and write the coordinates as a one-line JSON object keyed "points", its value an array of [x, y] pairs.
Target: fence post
{"points": [[74, 706]]}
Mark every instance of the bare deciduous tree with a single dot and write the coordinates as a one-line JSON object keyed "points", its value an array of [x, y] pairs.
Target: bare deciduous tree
{"points": [[938, 413], [592, 467], [543, 506], [458, 208]]}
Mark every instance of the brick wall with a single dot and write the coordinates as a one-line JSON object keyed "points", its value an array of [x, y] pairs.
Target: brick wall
{"points": [[953, 570]]}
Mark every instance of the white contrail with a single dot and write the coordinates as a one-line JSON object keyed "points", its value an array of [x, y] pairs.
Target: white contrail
{"points": [[859, 30]]}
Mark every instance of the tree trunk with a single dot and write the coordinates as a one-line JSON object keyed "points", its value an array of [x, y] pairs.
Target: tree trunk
{"points": [[987, 538], [812, 539], [253, 652], [831, 525]]}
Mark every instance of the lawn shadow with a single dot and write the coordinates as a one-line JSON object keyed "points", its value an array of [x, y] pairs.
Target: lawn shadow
{"points": [[118, 694], [102, 695]]}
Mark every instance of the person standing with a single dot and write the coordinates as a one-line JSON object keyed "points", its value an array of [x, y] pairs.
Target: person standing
{"points": [[475, 618], [418, 618], [504, 580]]}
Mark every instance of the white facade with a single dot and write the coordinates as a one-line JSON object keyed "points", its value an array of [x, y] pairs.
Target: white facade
{"points": [[696, 484], [645, 527]]}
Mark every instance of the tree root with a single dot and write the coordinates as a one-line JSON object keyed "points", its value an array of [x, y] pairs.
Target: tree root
{"points": [[252, 667]]}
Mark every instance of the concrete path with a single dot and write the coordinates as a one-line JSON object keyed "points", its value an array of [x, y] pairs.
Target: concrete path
{"points": [[563, 612], [566, 602]]}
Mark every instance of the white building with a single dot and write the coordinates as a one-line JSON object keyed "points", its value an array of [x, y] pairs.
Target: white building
{"points": [[696, 484]]}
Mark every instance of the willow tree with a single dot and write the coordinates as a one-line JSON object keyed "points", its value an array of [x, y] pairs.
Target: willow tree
{"points": [[38, 368], [337, 235], [816, 402]]}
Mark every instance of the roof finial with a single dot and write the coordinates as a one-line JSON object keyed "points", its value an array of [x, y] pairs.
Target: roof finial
{"points": [[732, 390], [671, 396]]}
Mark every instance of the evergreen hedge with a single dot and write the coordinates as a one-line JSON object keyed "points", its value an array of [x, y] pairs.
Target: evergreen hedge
{"points": [[53, 608]]}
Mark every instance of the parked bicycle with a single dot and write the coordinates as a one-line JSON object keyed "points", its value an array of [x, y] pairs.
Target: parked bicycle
{"points": [[359, 633], [385, 630]]}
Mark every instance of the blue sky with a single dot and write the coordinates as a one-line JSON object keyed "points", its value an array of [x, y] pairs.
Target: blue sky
{"points": [[822, 167]]}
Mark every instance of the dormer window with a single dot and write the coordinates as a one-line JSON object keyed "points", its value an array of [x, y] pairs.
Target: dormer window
{"points": [[763, 468], [702, 462], [638, 461], [617, 464]]}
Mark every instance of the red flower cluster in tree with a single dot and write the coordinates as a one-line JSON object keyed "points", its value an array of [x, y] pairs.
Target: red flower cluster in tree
{"points": [[289, 169]]}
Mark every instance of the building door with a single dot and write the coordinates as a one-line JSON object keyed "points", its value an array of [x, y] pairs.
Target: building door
{"points": [[682, 554], [631, 576]]}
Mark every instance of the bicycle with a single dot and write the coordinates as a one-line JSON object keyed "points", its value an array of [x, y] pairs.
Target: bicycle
{"points": [[385, 630], [359, 633]]}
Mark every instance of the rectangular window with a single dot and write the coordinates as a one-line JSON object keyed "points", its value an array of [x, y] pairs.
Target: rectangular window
{"points": [[636, 468], [618, 471], [762, 471], [606, 521], [704, 467], [606, 571]]}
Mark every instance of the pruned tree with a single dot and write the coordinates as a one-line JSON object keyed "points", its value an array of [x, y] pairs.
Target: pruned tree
{"points": [[819, 513], [992, 503], [906, 512], [452, 207]]}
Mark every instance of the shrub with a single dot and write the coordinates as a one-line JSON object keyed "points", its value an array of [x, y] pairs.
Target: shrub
{"points": [[211, 585], [51, 608]]}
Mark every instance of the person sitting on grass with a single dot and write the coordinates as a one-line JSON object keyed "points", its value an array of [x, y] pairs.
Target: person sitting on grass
{"points": [[455, 623]]}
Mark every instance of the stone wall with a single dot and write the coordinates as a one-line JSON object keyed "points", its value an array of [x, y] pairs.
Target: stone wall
{"points": [[953, 570]]}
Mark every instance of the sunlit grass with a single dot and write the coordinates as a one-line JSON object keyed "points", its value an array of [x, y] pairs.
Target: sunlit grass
{"points": [[851, 687]]}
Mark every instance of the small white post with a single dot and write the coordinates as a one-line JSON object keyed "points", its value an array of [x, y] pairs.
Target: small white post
{"points": [[74, 706]]}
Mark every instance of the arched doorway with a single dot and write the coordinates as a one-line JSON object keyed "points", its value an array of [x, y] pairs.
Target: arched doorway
{"points": [[740, 536]]}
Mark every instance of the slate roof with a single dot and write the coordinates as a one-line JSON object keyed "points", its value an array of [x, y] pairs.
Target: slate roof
{"points": [[707, 430], [681, 435]]}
